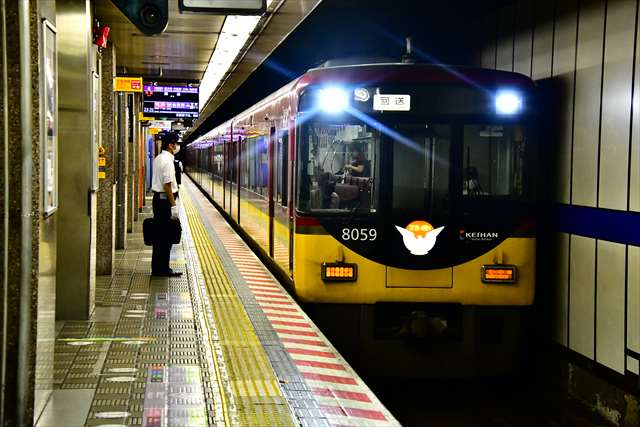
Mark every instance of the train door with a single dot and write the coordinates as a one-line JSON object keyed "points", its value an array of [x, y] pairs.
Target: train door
{"points": [[281, 229], [270, 189]]}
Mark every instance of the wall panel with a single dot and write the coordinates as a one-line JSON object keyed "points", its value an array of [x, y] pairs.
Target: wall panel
{"points": [[561, 284], [543, 39], [488, 57], [587, 103], [564, 62], [634, 190], [504, 56], [610, 334], [616, 104], [523, 37], [582, 295], [633, 302]]}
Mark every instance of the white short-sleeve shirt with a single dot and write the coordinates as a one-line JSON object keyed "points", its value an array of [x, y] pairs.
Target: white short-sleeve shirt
{"points": [[164, 172]]}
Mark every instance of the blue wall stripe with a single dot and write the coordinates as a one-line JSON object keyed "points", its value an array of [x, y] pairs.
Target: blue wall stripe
{"points": [[604, 224]]}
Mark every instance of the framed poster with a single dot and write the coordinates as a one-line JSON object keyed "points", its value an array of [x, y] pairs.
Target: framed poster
{"points": [[49, 118]]}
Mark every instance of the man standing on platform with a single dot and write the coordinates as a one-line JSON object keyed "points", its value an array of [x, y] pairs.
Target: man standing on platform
{"points": [[165, 188]]}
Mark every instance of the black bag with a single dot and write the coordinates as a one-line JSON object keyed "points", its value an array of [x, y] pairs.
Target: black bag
{"points": [[171, 231], [148, 231]]}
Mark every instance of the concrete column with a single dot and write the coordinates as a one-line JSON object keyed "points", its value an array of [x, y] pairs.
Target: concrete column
{"points": [[107, 190], [77, 151], [122, 169], [131, 153], [19, 208]]}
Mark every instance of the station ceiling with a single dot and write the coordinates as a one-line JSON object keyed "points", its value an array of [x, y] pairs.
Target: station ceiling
{"points": [[183, 51]]}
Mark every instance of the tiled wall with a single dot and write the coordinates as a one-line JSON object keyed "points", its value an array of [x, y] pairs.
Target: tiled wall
{"points": [[588, 51]]}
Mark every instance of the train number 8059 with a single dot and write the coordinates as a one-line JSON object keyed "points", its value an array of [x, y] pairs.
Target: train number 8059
{"points": [[361, 234]]}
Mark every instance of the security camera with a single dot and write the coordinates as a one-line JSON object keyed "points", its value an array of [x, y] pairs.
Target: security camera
{"points": [[149, 16]]}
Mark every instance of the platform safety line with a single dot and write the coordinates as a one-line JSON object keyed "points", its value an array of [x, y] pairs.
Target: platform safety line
{"points": [[212, 345], [243, 348], [350, 401]]}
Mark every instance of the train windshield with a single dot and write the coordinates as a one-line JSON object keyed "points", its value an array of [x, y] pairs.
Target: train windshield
{"points": [[421, 160], [338, 168]]}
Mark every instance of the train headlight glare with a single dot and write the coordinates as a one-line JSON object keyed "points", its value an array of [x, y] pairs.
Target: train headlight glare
{"points": [[333, 100], [508, 102]]}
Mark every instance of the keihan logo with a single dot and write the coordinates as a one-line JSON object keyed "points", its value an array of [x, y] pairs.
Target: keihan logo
{"points": [[419, 237]]}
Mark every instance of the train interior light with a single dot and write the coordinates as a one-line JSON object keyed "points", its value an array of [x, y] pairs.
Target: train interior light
{"points": [[333, 100], [508, 102]]}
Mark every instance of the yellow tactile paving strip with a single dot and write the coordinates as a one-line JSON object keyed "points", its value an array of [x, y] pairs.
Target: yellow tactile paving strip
{"points": [[254, 387]]}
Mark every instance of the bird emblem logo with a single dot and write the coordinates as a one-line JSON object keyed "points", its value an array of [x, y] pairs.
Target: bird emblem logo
{"points": [[419, 237]]}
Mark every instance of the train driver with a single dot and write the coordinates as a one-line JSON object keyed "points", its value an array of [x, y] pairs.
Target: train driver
{"points": [[359, 164]]}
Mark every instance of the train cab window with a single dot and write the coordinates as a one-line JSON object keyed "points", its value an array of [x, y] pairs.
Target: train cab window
{"points": [[421, 154], [337, 168], [493, 161]]}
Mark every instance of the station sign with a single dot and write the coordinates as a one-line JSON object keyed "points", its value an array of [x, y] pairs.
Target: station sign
{"points": [[127, 84], [160, 124]]}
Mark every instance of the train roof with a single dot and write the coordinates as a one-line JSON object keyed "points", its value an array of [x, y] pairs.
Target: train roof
{"points": [[414, 73], [375, 73]]}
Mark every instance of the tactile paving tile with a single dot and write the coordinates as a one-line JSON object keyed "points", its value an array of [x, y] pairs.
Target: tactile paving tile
{"points": [[313, 367], [250, 380]]}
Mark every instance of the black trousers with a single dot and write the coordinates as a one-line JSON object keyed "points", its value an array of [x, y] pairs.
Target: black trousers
{"points": [[162, 247]]}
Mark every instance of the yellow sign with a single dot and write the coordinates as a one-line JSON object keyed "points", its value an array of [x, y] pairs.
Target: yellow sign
{"points": [[102, 175], [154, 131], [142, 118], [127, 84], [102, 161]]}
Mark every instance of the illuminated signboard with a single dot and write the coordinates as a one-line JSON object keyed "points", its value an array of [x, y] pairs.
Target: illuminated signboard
{"points": [[127, 84], [171, 102]]}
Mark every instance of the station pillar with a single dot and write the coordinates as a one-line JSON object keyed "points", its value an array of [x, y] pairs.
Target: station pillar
{"points": [[107, 190], [77, 178], [122, 142]]}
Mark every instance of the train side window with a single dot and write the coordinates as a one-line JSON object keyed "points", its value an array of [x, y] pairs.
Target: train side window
{"points": [[493, 161]]}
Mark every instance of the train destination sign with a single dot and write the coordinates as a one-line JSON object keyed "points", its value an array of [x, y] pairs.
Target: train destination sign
{"points": [[389, 102]]}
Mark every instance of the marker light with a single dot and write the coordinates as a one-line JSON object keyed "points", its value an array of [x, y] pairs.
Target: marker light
{"points": [[333, 100], [508, 102], [499, 273], [339, 272]]}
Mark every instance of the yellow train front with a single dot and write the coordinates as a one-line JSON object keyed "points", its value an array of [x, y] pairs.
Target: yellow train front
{"points": [[399, 197]]}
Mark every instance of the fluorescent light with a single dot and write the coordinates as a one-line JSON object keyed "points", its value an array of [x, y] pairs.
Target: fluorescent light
{"points": [[233, 36], [508, 102]]}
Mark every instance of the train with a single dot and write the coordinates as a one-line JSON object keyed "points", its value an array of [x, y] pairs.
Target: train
{"points": [[396, 197]]}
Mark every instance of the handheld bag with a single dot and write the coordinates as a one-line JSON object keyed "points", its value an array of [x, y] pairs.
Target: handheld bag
{"points": [[174, 231], [149, 231]]}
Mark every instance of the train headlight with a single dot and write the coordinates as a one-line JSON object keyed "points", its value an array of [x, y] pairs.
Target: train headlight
{"points": [[508, 102], [339, 272], [499, 274], [333, 100]]}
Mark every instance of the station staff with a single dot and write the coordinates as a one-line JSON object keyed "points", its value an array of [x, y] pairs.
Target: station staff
{"points": [[165, 188]]}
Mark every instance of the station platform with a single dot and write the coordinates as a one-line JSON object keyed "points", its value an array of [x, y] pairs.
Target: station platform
{"points": [[222, 345]]}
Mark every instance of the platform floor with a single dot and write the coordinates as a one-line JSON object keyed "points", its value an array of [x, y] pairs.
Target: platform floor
{"points": [[223, 345]]}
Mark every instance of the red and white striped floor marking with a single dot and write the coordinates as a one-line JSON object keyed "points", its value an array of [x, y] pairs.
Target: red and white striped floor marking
{"points": [[343, 397]]}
